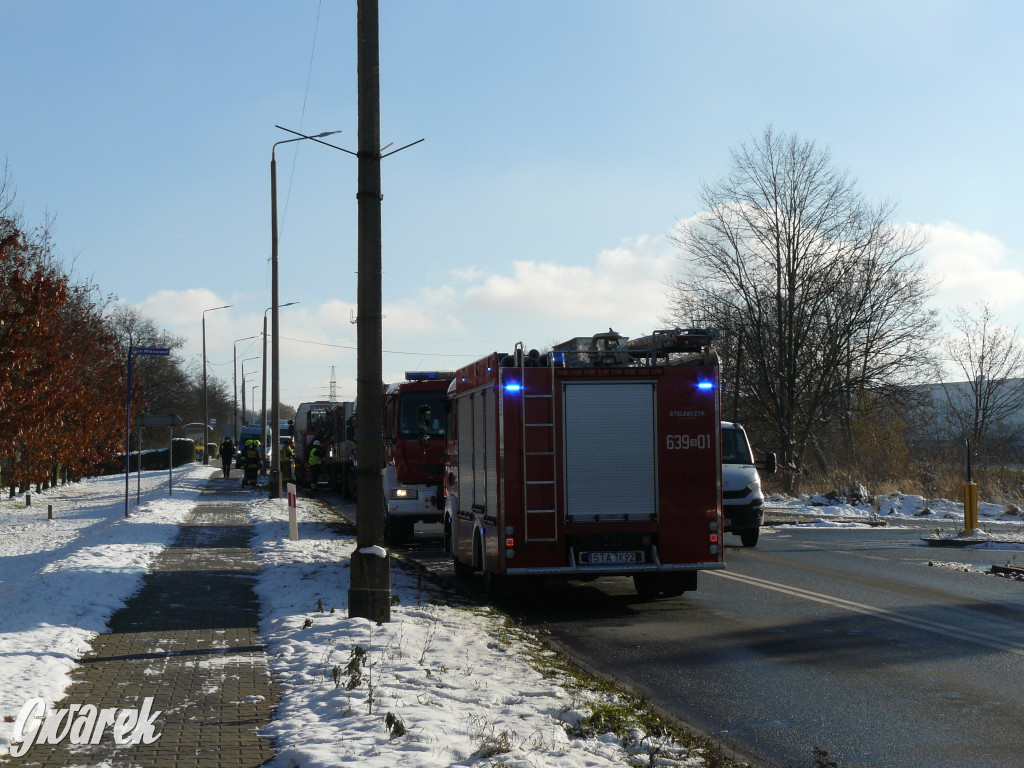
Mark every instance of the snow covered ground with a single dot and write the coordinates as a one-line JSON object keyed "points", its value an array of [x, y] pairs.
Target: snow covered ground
{"points": [[998, 525], [446, 681], [61, 579]]}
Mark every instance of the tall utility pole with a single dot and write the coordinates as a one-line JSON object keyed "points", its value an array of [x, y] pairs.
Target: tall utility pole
{"points": [[369, 594]]}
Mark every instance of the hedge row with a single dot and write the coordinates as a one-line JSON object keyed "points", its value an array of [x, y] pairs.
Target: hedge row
{"points": [[183, 451]]}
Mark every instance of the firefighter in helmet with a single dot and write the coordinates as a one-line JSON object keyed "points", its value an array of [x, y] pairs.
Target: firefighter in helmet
{"points": [[313, 462], [285, 459]]}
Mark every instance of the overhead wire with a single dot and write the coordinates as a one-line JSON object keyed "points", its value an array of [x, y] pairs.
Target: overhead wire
{"points": [[302, 116], [384, 351]]}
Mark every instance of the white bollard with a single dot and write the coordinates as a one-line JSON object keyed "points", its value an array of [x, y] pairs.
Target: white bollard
{"points": [[293, 523]]}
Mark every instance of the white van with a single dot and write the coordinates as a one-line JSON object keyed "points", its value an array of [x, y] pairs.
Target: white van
{"points": [[742, 497]]}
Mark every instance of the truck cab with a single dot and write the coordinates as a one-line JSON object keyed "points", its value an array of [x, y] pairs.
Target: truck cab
{"points": [[415, 419], [742, 496]]}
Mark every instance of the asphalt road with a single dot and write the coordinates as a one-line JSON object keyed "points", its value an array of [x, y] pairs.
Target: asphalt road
{"points": [[846, 640]]}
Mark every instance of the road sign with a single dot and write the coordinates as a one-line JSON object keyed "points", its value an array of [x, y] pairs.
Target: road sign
{"points": [[151, 350]]}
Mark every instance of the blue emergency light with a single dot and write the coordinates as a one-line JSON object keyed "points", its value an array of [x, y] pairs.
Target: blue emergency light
{"points": [[513, 386], [705, 385], [428, 375]]}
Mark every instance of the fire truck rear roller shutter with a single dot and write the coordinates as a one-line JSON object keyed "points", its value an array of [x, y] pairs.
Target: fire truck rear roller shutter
{"points": [[610, 452]]}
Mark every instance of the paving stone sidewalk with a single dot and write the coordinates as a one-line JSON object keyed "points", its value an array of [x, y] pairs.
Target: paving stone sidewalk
{"points": [[189, 638]]}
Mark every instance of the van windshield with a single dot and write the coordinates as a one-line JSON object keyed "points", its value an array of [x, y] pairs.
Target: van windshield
{"points": [[734, 447]]}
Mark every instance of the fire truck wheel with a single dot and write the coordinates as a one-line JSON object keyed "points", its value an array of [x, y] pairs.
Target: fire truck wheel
{"points": [[496, 585], [651, 585], [749, 538], [392, 532], [397, 530], [463, 572]]}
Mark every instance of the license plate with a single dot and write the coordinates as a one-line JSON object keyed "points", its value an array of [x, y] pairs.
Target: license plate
{"points": [[611, 558]]}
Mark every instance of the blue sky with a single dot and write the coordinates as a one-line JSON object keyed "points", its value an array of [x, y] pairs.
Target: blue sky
{"points": [[563, 141]]}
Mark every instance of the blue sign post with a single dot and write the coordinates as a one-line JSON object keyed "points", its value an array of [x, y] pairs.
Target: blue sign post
{"points": [[132, 351]]}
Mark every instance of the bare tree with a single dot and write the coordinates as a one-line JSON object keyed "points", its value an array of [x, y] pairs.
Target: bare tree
{"points": [[986, 403], [821, 289], [162, 385]]}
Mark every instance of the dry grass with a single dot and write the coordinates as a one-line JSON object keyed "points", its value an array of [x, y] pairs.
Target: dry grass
{"points": [[939, 477]]}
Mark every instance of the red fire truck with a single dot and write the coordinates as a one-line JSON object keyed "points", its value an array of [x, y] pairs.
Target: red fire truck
{"points": [[330, 423], [414, 447], [601, 457]]}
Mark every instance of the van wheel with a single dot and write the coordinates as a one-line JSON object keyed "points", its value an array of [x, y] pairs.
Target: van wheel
{"points": [[749, 538]]}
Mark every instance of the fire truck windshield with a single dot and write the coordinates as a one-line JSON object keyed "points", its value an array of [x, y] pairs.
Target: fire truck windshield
{"points": [[409, 414]]}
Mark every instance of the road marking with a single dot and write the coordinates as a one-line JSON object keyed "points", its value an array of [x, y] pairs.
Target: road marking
{"points": [[869, 610]]}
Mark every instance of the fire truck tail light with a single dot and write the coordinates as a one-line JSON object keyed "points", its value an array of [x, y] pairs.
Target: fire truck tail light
{"points": [[510, 542], [713, 549], [405, 493], [714, 538]]}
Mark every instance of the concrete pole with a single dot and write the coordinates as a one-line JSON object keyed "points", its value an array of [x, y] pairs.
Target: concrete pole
{"points": [[275, 372], [263, 393], [234, 390], [206, 410], [369, 594]]}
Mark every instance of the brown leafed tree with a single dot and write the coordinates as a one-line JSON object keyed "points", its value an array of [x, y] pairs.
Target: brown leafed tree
{"points": [[31, 296], [59, 367]]}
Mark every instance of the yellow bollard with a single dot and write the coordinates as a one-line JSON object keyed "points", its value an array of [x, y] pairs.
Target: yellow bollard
{"points": [[970, 508]]}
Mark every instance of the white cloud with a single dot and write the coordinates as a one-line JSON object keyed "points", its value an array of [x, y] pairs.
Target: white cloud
{"points": [[534, 301], [972, 267], [181, 308], [624, 287], [441, 327]]}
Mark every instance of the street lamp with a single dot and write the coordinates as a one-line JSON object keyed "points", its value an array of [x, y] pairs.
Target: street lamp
{"points": [[244, 413], [275, 373], [206, 411], [274, 326], [234, 382], [263, 412], [254, 388]]}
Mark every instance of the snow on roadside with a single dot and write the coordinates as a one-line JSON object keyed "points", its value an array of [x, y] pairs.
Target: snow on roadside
{"points": [[450, 680], [62, 579], [893, 505]]}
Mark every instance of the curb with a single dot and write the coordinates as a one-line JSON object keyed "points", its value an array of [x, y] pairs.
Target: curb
{"points": [[964, 543]]}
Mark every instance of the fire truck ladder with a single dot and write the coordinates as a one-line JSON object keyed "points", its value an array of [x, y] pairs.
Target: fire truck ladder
{"points": [[539, 466]]}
